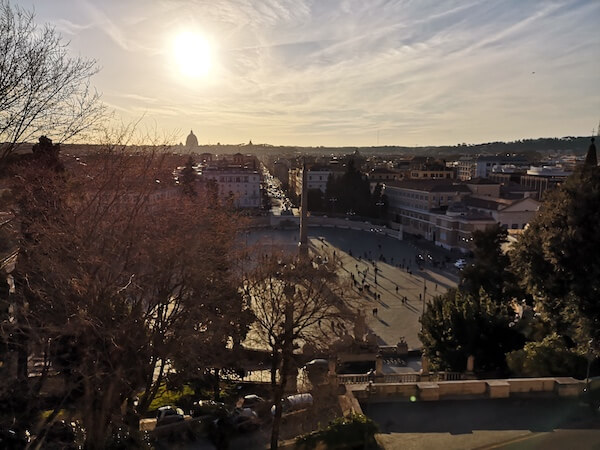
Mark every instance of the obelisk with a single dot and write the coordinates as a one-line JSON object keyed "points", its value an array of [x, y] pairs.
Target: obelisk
{"points": [[303, 244]]}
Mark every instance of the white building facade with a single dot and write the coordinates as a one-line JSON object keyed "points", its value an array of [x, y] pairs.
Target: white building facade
{"points": [[240, 185]]}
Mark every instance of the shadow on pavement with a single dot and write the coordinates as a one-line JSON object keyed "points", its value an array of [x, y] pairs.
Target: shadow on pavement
{"points": [[465, 416]]}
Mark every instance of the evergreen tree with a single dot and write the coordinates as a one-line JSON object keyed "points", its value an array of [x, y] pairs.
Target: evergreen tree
{"points": [[558, 257], [457, 325], [490, 270], [351, 191], [188, 178]]}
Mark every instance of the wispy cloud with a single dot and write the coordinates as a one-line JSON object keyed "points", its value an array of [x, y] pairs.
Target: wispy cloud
{"points": [[337, 72]]}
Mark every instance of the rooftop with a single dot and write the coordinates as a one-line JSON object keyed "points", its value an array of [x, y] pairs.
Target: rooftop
{"points": [[481, 181], [440, 185]]}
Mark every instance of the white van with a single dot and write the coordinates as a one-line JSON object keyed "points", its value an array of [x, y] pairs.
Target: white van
{"points": [[295, 402]]}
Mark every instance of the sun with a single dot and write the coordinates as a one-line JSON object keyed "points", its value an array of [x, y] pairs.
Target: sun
{"points": [[192, 54]]}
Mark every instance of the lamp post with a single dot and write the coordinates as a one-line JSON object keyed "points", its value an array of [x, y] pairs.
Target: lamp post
{"points": [[371, 375], [589, 362], [423, 311]]}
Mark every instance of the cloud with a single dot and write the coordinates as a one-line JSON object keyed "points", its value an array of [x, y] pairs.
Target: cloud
{"points": [[325, 72]]}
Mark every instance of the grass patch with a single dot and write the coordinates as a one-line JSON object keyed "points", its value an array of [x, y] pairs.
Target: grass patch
{"points": [[181, 398], [62, 414]]}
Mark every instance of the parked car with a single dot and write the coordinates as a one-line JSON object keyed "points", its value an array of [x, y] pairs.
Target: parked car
{"points": [[245, 420], [166, 415], [295, 402], [209, 408], [317, 364], [252, 400], [256, 404], [460, 264]]}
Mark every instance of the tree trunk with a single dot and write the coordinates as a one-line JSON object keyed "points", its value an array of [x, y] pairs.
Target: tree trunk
{"points": [[279, 390], [274, 365], [286, 354], [216, 386], [151, 390], [22, 357]]}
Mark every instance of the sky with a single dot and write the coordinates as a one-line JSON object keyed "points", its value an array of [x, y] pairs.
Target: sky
{"points": [[342, 72]]}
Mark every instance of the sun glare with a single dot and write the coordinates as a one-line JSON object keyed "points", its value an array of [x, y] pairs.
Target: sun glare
{"points": [[192, 54]]}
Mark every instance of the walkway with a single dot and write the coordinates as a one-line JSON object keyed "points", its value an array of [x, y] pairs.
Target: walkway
{"points": [[356, 249]]}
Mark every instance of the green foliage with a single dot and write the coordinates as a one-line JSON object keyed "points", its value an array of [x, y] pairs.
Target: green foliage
{"points": [[352, 431], [315, 200], [351, 191], [165, 397], [547, 358], [491, 267], [557, 257], [188, 178], [457, 325]]}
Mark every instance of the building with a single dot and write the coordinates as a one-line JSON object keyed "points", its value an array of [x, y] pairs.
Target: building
{"points": [[422, 167], [239, 184], [447, 212], [383, 174], [483, 166], [236, 178], [191, 142], [543, 178], [421, 207], [511, 214], [281, 171], [316, 176], [428, 174]]}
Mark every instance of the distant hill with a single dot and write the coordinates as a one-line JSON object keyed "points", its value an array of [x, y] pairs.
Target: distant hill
{"points": [[568, 144]]}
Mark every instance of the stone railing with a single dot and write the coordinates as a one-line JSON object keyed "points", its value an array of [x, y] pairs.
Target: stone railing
{"points": [[352, 379], [398, 378], [445, 376], [500, 388]]}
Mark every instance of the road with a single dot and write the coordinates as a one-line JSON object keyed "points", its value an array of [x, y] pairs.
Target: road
{"points": [[511, 424]]}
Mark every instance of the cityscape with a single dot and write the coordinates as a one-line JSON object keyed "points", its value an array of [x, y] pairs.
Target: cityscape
{"points": [[214, 235]]}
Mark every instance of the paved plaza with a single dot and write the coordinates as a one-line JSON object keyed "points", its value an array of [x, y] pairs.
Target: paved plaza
{"points": [[356, 251]]}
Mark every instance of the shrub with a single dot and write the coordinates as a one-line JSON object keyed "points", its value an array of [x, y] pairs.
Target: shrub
{"points": [[547, 358], [353, 431]]}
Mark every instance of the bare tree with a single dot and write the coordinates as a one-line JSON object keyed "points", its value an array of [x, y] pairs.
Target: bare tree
{"points": [[43, 90], [295, 302], [117, 274]]}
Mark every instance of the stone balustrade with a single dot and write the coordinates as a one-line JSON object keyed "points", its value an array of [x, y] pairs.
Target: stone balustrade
{"points": [[463, 389]]}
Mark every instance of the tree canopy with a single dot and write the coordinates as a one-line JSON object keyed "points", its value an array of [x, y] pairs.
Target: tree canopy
{"points": [[116, 282], [457, 325], [294, 301], [490, 270], [557, 257], [43, 90]]}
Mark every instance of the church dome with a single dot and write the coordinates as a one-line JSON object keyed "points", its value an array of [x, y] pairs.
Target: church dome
{"points": [[192, 140]]}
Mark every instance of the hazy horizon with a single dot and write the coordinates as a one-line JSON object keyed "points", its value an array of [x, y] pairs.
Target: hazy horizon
{"points": [[306, 73]]}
